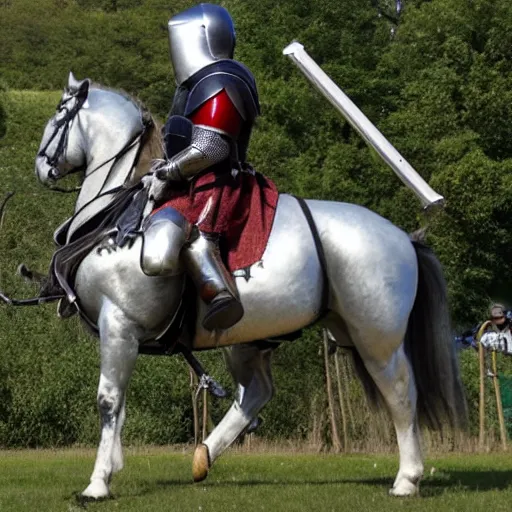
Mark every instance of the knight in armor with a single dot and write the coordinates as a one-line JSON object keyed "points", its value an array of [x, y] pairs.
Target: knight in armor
{"points": [[206, 138]]}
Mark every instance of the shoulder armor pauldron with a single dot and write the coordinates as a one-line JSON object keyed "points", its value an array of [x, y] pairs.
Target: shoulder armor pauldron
{"points": [[232, 77]]}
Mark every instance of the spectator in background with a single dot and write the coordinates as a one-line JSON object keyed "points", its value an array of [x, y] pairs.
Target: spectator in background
{"points": [[499, 318], [497, 336]]}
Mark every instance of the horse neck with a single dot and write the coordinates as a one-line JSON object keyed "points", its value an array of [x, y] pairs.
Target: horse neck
{"points": [[110, 160], [110, 152], [113, 175]]}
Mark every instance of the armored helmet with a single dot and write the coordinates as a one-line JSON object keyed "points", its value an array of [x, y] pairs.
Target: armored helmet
{"points": [[198, 37]]}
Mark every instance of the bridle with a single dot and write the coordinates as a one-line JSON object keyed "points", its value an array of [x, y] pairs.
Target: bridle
{"points": [[64, 123]]}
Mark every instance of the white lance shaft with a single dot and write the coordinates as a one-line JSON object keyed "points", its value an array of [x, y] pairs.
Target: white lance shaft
{"points": [[363, 126]]}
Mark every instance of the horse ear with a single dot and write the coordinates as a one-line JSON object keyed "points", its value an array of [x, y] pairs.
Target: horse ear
{"points": [[83, 89], [80, 87], [73, 83]]}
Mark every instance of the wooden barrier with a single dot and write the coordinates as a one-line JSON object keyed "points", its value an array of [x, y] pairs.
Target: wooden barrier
{"points": [[499, 405]]}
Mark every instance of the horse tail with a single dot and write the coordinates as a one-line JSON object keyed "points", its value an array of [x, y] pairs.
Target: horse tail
{"points": [[430, 348]]}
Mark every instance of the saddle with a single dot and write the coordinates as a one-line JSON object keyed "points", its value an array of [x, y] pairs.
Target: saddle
{"points": [[68, 256], [241, 207]]}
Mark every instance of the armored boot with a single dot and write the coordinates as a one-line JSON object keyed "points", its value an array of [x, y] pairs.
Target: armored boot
{"points": [[215, 284]]}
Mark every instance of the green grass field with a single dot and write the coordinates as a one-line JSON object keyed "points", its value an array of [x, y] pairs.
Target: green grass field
{"points": [[158, 479]]}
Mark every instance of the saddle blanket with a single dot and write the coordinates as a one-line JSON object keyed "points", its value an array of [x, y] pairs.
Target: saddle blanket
{"points": [[240, 208]]}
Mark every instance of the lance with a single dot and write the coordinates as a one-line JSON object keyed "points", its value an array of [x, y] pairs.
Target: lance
{"points": [[368, 131]]}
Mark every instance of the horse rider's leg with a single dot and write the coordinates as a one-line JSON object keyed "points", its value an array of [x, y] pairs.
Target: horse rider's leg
{"points": [[119, 349], [250, 366], [395, 381], [166, 232], [214, 283]]}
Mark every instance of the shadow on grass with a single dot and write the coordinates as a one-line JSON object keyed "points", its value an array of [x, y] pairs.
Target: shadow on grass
{"points": [[445, 482], [452, 482], [466, 481]]}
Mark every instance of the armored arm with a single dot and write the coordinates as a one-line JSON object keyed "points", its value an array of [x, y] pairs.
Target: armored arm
{"points": [[207, 147], [216, 125]]}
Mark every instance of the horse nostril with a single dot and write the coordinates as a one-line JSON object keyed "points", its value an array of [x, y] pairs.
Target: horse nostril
{"points": [[53, 174]]}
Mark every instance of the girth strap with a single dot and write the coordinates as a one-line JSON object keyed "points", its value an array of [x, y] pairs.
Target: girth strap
{"points": [[320, 253]]}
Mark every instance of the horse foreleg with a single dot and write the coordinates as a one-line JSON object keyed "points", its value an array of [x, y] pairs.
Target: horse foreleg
{"points": [[117, 453], [250, 367], [119, 349], [395, 381]]}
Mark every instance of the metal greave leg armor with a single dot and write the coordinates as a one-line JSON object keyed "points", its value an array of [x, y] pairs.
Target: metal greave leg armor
{"points": [[214, 283]]}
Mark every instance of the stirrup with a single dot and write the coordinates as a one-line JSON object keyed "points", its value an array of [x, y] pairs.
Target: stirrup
{"points": [[223, 312]]}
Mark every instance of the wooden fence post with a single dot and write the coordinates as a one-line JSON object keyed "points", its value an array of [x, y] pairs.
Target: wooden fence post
{"points": [[336, 443], [346, 369], [342, 401], [193, 387], [499, 405], [481, 407], [497, 391], [205, 414]]}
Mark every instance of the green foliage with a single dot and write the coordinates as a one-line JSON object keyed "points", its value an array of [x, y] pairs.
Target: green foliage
{"points": [[299, 377], [476, 228], [449, 117]]}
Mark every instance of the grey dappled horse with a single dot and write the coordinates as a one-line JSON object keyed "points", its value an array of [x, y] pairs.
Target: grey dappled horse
{"points": [[386, 295]]}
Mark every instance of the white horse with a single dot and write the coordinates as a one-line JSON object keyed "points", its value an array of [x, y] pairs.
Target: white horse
{"points": [[384, 295]]}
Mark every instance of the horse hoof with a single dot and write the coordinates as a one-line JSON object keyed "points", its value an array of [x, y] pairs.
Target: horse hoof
{"points": [[201, 463], [97, 490], [404, 489]]}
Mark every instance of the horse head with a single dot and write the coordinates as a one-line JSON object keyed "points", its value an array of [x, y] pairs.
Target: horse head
{"points": [[93, 127], [59, 152], [103, 133]]}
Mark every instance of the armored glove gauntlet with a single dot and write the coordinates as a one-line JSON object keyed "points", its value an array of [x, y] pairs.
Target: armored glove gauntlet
{"points": [[168, 171], [207, 148]]}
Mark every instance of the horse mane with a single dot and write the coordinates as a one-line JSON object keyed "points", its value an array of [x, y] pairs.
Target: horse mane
{"points": [[152, 145], [419, 236]]}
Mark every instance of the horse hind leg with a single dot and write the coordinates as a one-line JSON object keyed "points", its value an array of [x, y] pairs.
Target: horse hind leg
{"points": [[119, 350], [395, 381], [250, 367]]}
